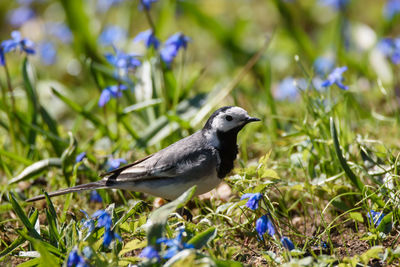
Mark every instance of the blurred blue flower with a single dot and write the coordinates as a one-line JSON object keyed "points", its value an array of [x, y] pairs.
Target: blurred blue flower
{"points": [[323, 66], [115, 163], [48, 53], [287, 90], [60, 31], [74, 259], [112, 34], [172, 46], [104, 5], [391, 9], [375, 217], [148, 38], [264, 225], [16, 42], [114, 91], [2, 57], [336, 77], [175, 245], [17, 17], [390, 47], [337, 4], [122, 62], [287, 243], [252, 203], [146, 4], [80, 157], [150, 253], [95, 197]]}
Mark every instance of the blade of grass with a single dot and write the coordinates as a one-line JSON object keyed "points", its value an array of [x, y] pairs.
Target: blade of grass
{"points": [[349, 173]]}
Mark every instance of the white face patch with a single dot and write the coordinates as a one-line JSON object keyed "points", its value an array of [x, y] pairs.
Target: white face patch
{"points": [[229, 119]]}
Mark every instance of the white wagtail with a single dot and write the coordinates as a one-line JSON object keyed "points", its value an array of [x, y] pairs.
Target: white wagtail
{"points": [[203, 159]]}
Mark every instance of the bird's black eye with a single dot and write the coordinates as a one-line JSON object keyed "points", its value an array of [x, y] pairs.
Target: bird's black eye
{"points": [[228, 118]]}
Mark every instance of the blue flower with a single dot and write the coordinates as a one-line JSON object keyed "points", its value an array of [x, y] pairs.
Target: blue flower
{"points": [[115, 163], [337, 4], [148, 38], [264, 225], [2, 57], [146, 4], [287, 243], [336, 77], [390, 48], [287, 90], [122, 62], [172, 46], [375, 217], [95, 197], [17, 17], [323, 66], [252, 203], [60, 31], [88, 223], [114, 91], [80, 157], [48, 53], [112, 34], [391, 9], [150, 253], [103, 219], [16, 42], [75, 260], [175, 245], [109, 236]]}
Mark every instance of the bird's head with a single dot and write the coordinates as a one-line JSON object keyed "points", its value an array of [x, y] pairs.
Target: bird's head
{"points": [[226, 119]]}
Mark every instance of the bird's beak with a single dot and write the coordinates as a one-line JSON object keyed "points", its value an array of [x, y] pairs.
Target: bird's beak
{"points": [[251, 119]]}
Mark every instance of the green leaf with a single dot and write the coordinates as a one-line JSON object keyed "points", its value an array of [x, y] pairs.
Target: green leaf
{"points": [[52, 221], [357, 216], [22, 216], [372, 253], [58, 146], [352, 177], [33, 262], [136, 205], [35, 169], [33, 104], [132, 245], [227, 263], [201, 239], [158, 218], [15, 157]]}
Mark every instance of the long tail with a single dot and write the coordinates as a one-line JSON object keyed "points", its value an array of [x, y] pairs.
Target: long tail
{"points": [[90, 186]]}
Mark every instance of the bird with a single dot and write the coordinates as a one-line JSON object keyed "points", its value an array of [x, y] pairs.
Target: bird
{"points": [[202, 159]]}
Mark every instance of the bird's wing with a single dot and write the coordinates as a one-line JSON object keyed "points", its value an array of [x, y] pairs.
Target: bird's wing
{"points": [[181, 158], [120, 169]]}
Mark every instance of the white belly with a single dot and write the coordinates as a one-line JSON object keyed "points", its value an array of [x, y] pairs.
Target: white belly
{"points": [[173, 190]]}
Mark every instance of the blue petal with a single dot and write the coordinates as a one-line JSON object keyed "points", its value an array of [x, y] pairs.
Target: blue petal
{"points": [[149, 252], [287, 243], [171, 252], [80, 157], [104, 97]]}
